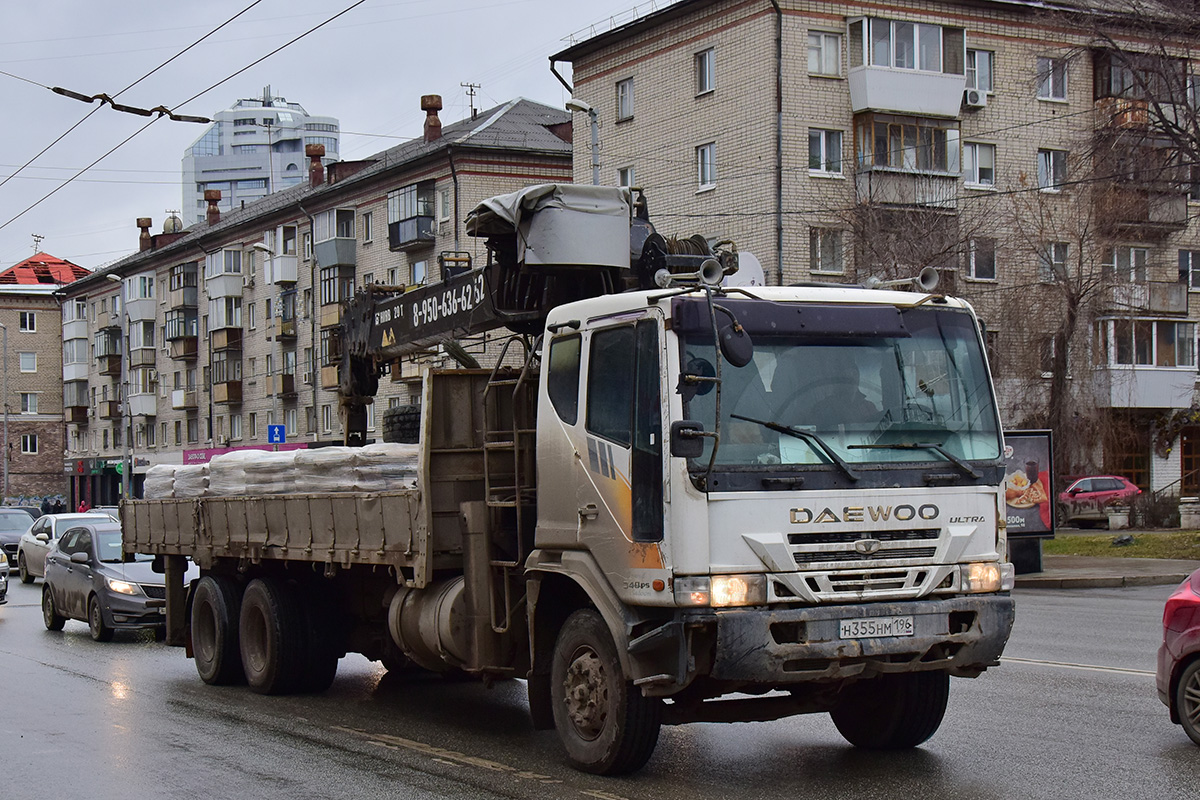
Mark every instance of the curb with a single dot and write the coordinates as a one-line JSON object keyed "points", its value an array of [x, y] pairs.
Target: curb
{"points": [[1096, 582]]}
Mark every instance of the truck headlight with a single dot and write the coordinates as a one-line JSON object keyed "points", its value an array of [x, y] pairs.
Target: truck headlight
{"points": [[123, 587], [721, 591], [982, 577]]}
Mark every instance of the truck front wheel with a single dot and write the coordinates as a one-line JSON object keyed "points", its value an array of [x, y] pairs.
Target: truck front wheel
{"points": [[892, 712], [215, 609], [604, 722]]}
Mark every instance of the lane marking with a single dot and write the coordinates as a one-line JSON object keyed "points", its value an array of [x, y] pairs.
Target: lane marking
{"points": [[1069, 665]]}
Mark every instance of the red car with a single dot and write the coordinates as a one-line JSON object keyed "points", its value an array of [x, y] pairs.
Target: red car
{"points": [[1087, 499], [1178, 675]]}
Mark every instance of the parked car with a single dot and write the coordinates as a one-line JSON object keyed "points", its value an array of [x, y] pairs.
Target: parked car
{"points": [[32, 511], [36, 540], [1178, 675], [13, 522], [3, 581], [1087, 499], [88, 579]]}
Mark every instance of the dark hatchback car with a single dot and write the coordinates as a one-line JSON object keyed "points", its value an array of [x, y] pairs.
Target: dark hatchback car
{"points": [[87, 579], [13, 522], [1178, 675]]}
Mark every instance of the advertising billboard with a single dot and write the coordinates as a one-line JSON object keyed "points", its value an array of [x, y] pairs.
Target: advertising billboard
{"points": [[1028, 490]]}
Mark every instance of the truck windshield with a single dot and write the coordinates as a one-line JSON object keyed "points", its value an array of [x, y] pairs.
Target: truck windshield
{"points": [[918, 393]]}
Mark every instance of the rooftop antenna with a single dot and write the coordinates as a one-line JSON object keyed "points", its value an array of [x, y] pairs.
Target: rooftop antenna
{"points": [[471, 87], [37, 242]]}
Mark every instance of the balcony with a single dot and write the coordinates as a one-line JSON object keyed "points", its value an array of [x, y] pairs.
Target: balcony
{"points": [[283, 385], [287, 329], [109, 364], [1126, 386], [110, 409], [329, 377], [883, 186], [229, 392], [75, 329], [1158, 297], [1140, 212], [141, 309], [184, 348], [281, 269], [226, 339], [75, 372], [184, 399], [76, 415], [142, 357], [336, 252], [331, 315], [411, 234], [183, 298], [926, 94], [143, 405]]}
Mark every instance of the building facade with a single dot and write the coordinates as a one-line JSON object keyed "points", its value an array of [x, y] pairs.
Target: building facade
{"points": [[33, 358], [252, 149], [1013, 148], [231, 325]]}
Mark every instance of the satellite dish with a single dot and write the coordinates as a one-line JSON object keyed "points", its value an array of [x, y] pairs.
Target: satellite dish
{"points": [[749, 272], [172, 224]]}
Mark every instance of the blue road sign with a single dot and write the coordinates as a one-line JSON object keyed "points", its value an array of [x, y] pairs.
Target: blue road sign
{"points": [[276, 434]]}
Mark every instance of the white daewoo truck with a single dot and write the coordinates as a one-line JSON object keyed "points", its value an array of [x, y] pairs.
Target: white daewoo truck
{"points": [[690, 503]]}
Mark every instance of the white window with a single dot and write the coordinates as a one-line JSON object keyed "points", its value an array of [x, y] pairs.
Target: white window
{"points": [[29, 321], [366, 221], [1052, 169], [252, 421], [625, 99], [308, 245], [706, 75], [235, 426], [1189, 269], [979, 69], [906, 45], [28, 362], [625, 176], [444, 205], [337, 223], [371, 417], [1052, 262], [417, 273], [1126, 264], [824, 53], [1144, 342], [29, 444], [706, 165], [289, 421], [222, 262], [981, 259], [29, 402], [327, 418], [1051, 79], [979, 164], [824, 151], [251, 316], [825, 250]]}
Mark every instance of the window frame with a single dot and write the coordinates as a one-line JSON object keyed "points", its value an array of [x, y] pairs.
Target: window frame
{"points": [[706, 166], [1048, 161], [818, 238], [704, 64], [977, 251], [972, 175], [624, 99], [826, 148], [820, 49], [1052, 79], [27, 322], [972, 70], [1050, 267]]}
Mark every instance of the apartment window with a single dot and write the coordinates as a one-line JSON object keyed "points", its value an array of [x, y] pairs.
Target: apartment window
{"points": [[1144, 342], [625, 99], [824, 151], [906, 45], [307, 246], [178, 432], [337, 223], [149, 433], [29, 444], [327, 418], [625, 176], [981, 259], [908, 143], [28, 362], [979, 164], [444, 205], [235, 426], [706, 165], [252, 421], [825, 250], [1052, 262], [29, 403], [1047, 349], [418, 272], [193, 430], [28, 322], [1052, 169], [289, 420], [366, 221], [1126, 264], [824, 54], [706, 76], [251, 316], [979, 69], [1189, 268], [1051, 79]]}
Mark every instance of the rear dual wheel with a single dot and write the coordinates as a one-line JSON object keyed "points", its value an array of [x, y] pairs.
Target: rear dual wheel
{"points": [[286, 643], [216, 606]]}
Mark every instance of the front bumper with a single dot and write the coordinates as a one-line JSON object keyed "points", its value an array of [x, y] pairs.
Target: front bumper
{"points": [[129, 612], [960, 635]]}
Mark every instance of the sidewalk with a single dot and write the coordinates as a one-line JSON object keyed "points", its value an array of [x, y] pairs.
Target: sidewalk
{"points": [[1090, 572]]}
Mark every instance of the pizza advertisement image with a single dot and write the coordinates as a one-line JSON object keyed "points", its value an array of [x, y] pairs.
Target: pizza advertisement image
{"points": [[1027, 483]]}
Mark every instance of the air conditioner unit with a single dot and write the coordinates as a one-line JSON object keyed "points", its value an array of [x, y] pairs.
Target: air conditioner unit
{"points": [[248, 281], [154, 376], [974, 98]]}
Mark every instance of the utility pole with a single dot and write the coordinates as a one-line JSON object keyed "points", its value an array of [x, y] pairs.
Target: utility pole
{"points": [[5, 453], [471, 87], [37, 242]]}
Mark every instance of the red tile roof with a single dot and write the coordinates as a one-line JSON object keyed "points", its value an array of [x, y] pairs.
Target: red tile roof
{"points": [[42, 268]]}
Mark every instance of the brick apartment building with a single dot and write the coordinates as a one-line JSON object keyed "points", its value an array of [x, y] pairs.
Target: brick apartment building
{"points": [[230, 324], [1012, 147], [31, 325]]}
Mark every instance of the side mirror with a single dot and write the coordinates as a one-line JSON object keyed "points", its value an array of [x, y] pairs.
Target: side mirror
{"points": [[41, 537], [80, 558], [1072, 491], [687, 439]]}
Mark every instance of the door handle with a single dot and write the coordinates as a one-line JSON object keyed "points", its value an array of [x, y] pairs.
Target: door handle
{"points": [[589, 511]]}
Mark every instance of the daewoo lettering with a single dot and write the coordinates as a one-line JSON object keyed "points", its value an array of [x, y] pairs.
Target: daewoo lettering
{"points": [[901, 513]]}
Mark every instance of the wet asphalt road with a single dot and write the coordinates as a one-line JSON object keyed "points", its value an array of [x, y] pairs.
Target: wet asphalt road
{"points": [[1071, 714]]}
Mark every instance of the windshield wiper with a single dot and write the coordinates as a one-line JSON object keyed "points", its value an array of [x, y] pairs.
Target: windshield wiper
{"points": [[806, 436], [937, 448]]}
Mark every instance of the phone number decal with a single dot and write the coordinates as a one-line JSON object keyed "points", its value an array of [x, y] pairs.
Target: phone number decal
{"points": [[447, 303]]}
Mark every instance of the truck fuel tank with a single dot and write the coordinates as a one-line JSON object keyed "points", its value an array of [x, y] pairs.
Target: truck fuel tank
{"points": [[430, 625]]}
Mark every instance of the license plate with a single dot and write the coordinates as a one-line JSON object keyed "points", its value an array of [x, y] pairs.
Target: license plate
{"points": [[870, 627]]}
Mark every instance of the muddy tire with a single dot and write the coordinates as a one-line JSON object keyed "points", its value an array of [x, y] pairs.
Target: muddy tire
{"points": [[402, 424], [50, 616], [216, 607], [271, 637], [892, 712]]}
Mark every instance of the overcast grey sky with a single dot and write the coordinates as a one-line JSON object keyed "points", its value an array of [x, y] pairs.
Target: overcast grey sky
{"points": [[367, 68]]}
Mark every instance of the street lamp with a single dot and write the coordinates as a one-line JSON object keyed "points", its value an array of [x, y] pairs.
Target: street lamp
{"points": [[5, 453], [277, 379], [126, 422], [575, 104]]}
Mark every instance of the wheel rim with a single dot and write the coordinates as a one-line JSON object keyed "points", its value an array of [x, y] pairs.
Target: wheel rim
{"points": [[586, 690], [205, 632], [94, 620], [1191, 701], [47, 607], [21, 567], [254, 643]]}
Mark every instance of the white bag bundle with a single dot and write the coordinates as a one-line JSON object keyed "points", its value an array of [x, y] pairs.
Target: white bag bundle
{"points": [[160, 482], [191, 480], [326, 469], [386, 466], [227, 473], [270, 472]]}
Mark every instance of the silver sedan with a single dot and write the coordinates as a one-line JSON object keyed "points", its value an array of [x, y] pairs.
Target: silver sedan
{"points": [[45, 531]]}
